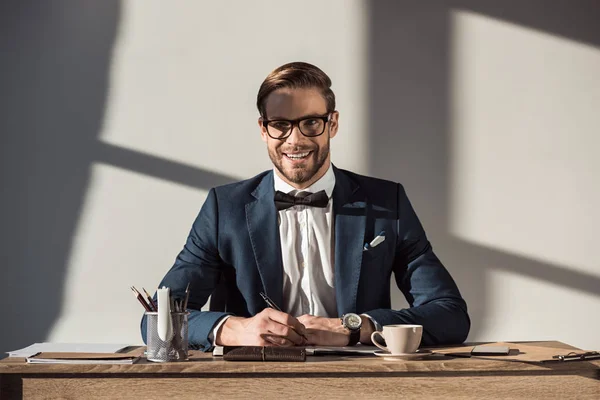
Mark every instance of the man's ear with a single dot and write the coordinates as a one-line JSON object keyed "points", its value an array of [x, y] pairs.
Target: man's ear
{"points": [[333, 123], [263, 130]]}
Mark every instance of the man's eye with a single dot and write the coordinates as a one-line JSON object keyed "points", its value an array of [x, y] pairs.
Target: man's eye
{"points": [[310, 122], [281, 125]]}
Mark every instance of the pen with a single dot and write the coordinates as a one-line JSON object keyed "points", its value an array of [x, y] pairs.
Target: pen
{"points": [[269, 301], [172, 302], [187, 296], [274, 306]]}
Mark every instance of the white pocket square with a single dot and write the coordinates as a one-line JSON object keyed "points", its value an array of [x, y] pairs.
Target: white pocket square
{"points": [[375, 242]]}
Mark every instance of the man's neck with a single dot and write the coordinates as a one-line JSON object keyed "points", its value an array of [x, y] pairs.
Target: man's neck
{"points": [[315, 178]]}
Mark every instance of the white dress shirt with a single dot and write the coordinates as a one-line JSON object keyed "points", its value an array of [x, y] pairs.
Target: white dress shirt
{"points": [[307, 237], [307, 250]]}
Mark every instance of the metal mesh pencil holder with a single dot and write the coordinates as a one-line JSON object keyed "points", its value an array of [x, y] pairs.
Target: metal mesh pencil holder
{"points": [[175, 349]]}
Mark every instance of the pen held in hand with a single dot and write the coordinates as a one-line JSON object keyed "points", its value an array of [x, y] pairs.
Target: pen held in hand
{"points": [[274, 306], [269, 301]]}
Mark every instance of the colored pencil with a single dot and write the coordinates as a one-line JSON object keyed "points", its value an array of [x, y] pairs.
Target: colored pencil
{"points": [[150, 301], [140, 298]]}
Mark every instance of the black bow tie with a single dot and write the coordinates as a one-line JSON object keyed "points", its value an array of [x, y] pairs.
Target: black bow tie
{"points": [[284, 200]]}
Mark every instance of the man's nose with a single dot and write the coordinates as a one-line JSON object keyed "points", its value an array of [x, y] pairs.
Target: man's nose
{"points": [[295, 135]]}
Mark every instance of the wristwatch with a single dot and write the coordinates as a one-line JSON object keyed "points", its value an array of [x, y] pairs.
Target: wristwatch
{"points": [[352, 322]]}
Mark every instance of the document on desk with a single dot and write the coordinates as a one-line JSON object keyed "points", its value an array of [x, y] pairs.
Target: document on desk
{"points": [[84, 358], [67, 347], [358, 350]]}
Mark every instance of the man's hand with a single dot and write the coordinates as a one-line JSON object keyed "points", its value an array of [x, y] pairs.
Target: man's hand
{"points": [[267, 328], [325, 331], [330, 331]]}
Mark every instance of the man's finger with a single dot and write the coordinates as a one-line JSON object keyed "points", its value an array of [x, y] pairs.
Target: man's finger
{"points": [[277, 340], [287, 319], [305, 319], [285, 331]]}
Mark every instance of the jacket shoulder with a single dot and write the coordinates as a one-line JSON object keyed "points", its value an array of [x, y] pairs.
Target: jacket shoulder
{"points": [[371, 184], [241, 189]]}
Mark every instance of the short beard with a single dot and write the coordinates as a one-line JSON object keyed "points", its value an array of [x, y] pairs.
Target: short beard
{"points": [[299, 175]]}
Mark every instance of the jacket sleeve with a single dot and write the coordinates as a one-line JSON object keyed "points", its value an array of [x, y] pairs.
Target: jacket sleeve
{"points": [[199, 265], [434, 299]]}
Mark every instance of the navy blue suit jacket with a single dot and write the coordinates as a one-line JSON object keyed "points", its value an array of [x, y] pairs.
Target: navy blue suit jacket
{"points": [[236, 235]]}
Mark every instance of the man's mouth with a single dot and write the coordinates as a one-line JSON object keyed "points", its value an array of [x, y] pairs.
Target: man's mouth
{"points": [[297, 156]]}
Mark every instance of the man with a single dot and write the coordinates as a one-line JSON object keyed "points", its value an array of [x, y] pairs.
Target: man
{"points": [[320, 242]]}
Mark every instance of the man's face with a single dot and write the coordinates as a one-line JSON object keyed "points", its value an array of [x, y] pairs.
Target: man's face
{"points": [[300, 160]]}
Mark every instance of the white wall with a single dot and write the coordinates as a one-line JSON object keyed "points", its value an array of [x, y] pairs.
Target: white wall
{"points": [[183, 85], [175, 113], [525, 177]]}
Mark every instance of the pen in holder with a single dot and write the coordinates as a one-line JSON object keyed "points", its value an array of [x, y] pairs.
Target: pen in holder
{"points": [[174, 346]]}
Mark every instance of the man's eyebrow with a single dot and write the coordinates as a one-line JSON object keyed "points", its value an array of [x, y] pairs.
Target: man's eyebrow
{"points": [[314, 115]]}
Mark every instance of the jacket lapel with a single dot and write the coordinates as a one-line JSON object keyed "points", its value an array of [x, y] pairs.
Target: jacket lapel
{"points": [[261, 219], [349, 204]]}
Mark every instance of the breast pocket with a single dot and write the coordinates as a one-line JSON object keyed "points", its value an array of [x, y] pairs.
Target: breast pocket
{"points": [[374, 254]]}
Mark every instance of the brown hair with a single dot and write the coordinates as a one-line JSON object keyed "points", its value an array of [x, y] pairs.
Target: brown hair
{"points": [[295, 75]]}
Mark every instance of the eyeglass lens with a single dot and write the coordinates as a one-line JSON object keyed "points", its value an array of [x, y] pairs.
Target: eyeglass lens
{"points": [[309, 127]]}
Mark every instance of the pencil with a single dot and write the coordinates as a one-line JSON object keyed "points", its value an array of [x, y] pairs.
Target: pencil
{"points": [[140, 298], [150, 301]]}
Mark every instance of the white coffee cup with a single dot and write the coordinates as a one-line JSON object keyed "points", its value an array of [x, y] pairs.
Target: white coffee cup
{"points": [[400, 339]]}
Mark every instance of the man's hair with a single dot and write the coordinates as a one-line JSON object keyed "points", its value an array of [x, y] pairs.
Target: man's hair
{"points": [[295, 75]]}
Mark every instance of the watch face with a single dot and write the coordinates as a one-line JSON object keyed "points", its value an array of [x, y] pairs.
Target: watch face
{"points": [[352, 321]]}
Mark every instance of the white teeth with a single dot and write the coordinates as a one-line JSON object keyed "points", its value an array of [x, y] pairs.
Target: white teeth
{"points": [[298, 156]]}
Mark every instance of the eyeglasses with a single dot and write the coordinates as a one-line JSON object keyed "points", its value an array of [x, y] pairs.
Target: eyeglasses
{"points": [[572, 356], [309, 126]]}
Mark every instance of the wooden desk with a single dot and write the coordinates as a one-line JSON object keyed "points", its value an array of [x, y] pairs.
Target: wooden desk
{"points": [[320, 377]]}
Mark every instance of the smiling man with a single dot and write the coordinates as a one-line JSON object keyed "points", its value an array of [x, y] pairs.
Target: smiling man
{"points": [[316, 243], [303, 158]]}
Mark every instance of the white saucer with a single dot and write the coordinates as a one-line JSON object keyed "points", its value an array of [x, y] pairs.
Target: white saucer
{"points": [[403, 356]]}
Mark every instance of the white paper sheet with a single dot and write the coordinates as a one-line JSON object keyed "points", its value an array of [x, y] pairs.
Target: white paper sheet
{"points": [[67, 347]]}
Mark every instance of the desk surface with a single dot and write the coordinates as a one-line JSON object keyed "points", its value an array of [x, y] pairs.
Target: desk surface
{"points": [[319, 375]]}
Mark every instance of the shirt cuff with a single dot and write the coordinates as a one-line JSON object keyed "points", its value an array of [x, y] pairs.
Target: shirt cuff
{"points": [[213, 334], [377, 326]]}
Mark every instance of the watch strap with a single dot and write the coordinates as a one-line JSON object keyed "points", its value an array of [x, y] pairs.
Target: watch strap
{"points": [[354, 337]]}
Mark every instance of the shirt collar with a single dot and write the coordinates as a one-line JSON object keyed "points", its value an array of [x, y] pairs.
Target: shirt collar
{"points": [[326, 183]]}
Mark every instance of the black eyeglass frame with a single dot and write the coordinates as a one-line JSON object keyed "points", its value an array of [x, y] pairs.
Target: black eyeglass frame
{"points": [[325, 118]]}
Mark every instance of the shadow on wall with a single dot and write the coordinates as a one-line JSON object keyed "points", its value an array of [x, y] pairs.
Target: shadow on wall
{"points": [[54, 74], [54, 77], [409, 64]]}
